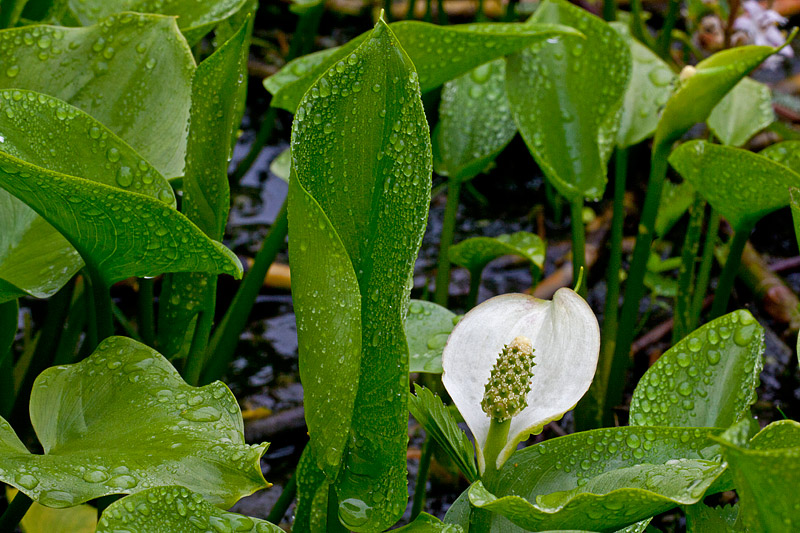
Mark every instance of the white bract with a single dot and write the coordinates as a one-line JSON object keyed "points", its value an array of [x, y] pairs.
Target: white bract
{"points": [[565, 338]]}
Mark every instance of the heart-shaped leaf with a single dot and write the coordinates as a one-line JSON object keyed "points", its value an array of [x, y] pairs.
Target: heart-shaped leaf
{"points": [[175, 508], [427, 327], [429, 411], [122, 421], [551, 87], [439, 53], [358, 200], [477, 252], [743, 112], [741, 185], [139, 86], [475, 122], [708, 379]]}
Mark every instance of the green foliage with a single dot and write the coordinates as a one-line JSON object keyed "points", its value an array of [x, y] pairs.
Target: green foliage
{"points": [[357, 209], [477, 252], [427, 327], [425, 523], [708, 379], [568, 128], [175, 509], [700, 518], [743, 112], [122, 421], [312, 494]]}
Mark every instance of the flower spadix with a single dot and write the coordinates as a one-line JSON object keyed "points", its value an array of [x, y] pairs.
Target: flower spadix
{"points": [[520, 359]]}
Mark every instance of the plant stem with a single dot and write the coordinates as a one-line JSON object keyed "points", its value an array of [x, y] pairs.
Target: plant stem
{"points": [[9, 314], [262, 137], [387, 10], [422, 477], [511, 11], [691, 246], [665, 39], [410, 11], [726, 279], [102, 303], [146, 321], [474, 287], [638, 27], [198, 351], [440, 295], [609, 10], [495, 442], [226, 337], [332, 522], [15, 512], [441, 14], [635, 285], [67, 345], [704, 274], [578, 245], [284, 501]]}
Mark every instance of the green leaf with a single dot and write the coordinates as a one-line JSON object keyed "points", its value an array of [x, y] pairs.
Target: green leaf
{"points": [[175, 509], [602, 480], [708, 379], [651, 83], [700, 518], [427, 327], [425, 523], [139, 87], [787, 153], [41, 519], [765, 470], [741, 185], [311, 513], [281, 166], [438, 423], [477, 252], [194, 18], [743, 112], [439, 53], [36, 260], [206, 194], [794, 203], [552, 87], [675, 200], [704, 86], [122, 421], [358, 200], [475, 122]]}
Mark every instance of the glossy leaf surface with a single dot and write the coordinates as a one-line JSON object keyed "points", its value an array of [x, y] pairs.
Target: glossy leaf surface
{"points": [[475, 122], [477, 252], [175, 509], [439, 53], [358, 202], [708, 379], [425, 523], [41, 519], [139, 86], [633, 473], [651, 83], [312, 494], [697, 95], [765, 470], [439, 424], [555, 103], [427, 327], [194, 18], [787, 153], [122, 421], [743, 112], [675, 201], [36, 260], [741, 185], [700, 518]]}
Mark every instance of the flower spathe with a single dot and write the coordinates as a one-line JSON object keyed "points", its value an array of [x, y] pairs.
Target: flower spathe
{"points": [[565, 337]]}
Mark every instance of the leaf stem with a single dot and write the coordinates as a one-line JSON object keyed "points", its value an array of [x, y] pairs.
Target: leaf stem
{"points": [[422, 477], [495, 442], [665, 38], [146, 320], [726, 279], [440, 295], [474, 287], [332, 522], [609, 10], [284, 501], [101, 298], [15, 512], [226, 337], [704, 274], [198, 350], [578, 244], [691, 246], [9, 314]]}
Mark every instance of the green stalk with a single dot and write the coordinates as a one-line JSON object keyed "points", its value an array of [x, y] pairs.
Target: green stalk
{"points": [[15, 512], [578, 245], [332, 522], [511, 11], [691, 246], [226, 337], [635, 284], [704, 274], [474, 287], [387, 10], [410, 11], [284, 501], [609, 10], [67, 345], [202, 331], [9, 314], [441, 14], [101, 298], [440, 295], [726, 279], [123, 321], [665, 38], [638, 27], [422, 477], [147, 330], [495, 442]]}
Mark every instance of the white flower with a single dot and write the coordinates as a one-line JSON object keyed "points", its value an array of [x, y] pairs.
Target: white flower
{"points": [[565, 338], [761, 28]]}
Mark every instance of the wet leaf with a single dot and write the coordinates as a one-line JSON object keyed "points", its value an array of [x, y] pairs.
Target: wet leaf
{"points": [[787, 153], [427, 327], [174, 509], [741, 185], [425, 523], [41, 519], [650, 85], [195, 19], [675, 200], [312, 494], [139, 86], [125, 421], [439, 424], [477, 252], [764, 471], [475, 122], [708, 379], [700, 518], [560, 114], [358, 201], [281, 166], [600, 480], [704, 86], [439, 53], [743, 112]]}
